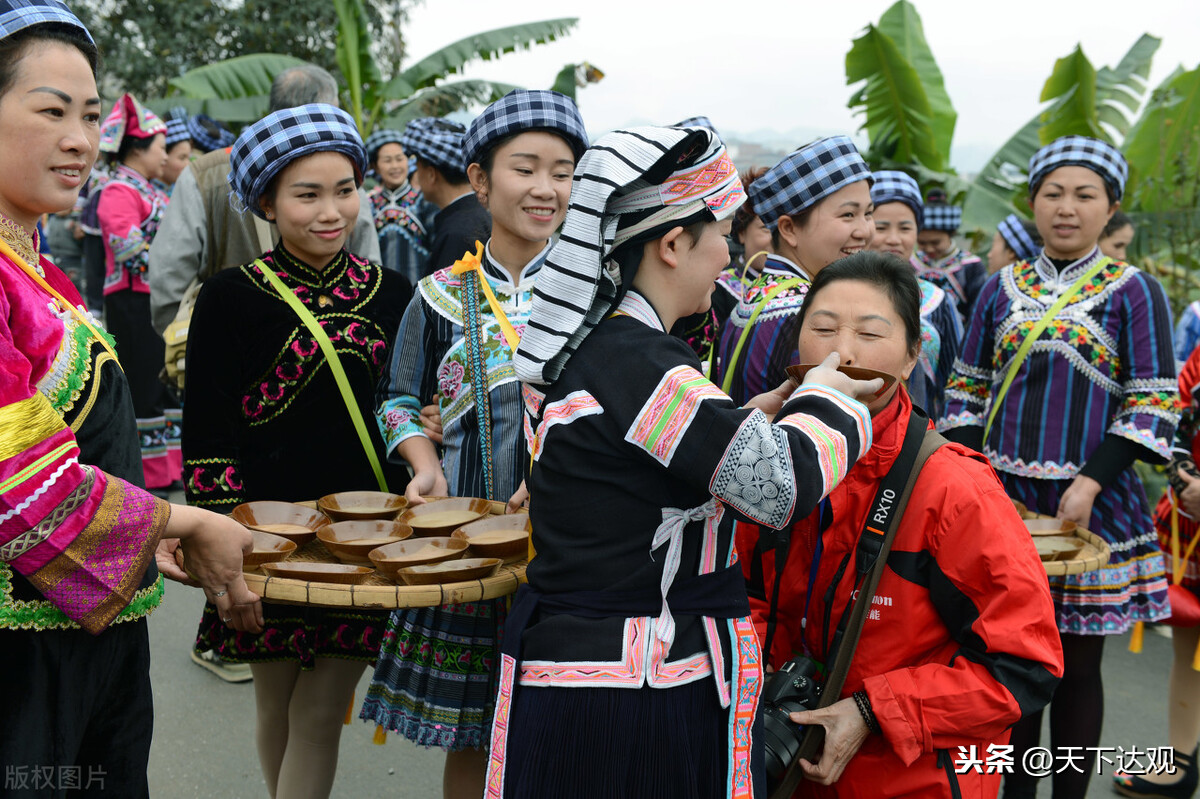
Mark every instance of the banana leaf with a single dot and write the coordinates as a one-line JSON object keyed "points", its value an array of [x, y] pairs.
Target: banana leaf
{"points": [[445, 98], [235, 113], [354, 59], [898, 116], [903, 24], [234, 78], [1072, 88], [486, 46], [1163, 147]]}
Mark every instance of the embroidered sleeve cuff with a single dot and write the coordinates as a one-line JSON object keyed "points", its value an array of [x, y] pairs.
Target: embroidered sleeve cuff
{"points": [[1147, 437], [399, 419], [818, 396], [92, 576]]}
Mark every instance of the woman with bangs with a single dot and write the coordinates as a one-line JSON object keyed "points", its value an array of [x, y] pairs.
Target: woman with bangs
{"points": [[817, 205], [456, 342], [267, 418]]}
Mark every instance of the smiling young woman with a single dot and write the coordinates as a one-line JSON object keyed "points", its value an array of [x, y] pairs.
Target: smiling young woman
{"points": [[266, 418], [456, 342], [817, 204], [1104, 366]]}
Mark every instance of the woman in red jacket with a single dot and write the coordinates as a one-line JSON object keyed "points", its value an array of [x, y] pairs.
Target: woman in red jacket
{"points": [[960, 641]]}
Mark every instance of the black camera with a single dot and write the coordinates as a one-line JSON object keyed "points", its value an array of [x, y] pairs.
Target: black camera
{"points": [[792, 688]]}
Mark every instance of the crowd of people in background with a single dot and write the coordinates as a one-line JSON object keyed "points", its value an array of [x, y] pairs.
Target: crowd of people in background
{"points": [[526, 313]]}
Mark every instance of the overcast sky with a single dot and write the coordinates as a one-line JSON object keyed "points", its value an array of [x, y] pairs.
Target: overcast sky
{"points": [[752, 65]]}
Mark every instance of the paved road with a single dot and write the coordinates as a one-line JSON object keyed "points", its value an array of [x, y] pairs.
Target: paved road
{"points": [[204, 744]]}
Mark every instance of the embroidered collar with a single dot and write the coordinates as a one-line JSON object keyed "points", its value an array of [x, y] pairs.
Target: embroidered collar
{"points": [[22, 243], [396, 194], [946, 260], [1052, 275], [503, 278], [135, 179], [778, 265], [302, 272], [638, 307]]}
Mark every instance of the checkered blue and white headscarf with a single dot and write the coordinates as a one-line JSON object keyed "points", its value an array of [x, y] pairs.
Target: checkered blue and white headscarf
{"points": [[892, 186], [521, 110], [1094, 154], [806, 177], [697, 122], [269, 145], [202, 139], [381, 137], [939, 216], [1018, 239], [436, 141], [17, 15], [177, 131], [627, 175]]}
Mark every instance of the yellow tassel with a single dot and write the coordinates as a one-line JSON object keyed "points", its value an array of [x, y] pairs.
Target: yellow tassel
{"points": [[1135, 640], [350, 709], [380, 737], [1196, 659]]}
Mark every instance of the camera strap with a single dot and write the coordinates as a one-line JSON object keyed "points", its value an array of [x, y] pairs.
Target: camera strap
{"points": [[874, 544]]}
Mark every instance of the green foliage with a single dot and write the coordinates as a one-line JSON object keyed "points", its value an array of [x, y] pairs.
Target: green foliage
{"points": [[903, 25], [1072, 88], [146, 43], [893, 100], [1163, 147], [357, 63], [486, 46]]}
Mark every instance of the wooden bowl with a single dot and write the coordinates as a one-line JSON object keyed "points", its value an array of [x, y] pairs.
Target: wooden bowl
{"points": [[1044, 526], [505, 537], [390, 558], [349, 506], [799, 370], [268, 548], [444, 516], [351, 542], [1058, 547], [293, 522], [314, 572], [451, 571]]}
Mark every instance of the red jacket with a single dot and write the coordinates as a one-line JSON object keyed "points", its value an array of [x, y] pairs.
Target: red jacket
{"points": [[961, 638]]}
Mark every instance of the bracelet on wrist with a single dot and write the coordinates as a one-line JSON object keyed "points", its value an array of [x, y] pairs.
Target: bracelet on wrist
{"points": [[864, 708]]}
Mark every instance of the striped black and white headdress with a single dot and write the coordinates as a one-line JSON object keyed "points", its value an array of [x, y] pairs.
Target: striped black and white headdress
{"points": [[651, 178]]}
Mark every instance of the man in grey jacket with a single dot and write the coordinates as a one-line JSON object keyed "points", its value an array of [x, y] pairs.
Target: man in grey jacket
{"points": [[202, 233]]}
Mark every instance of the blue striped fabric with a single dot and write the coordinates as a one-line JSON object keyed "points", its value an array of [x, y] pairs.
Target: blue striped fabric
{"points": [[1018, 239], [437, 141], [17, 15], [269, 145], [203, 139]]}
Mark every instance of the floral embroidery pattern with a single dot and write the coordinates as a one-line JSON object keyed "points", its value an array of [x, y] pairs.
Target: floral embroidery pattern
{"points": [[214, 481], [450, 379]]}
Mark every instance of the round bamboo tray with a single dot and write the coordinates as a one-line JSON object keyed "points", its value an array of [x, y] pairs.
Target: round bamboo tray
{"points": [[378, 592], [1093, 556]]}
